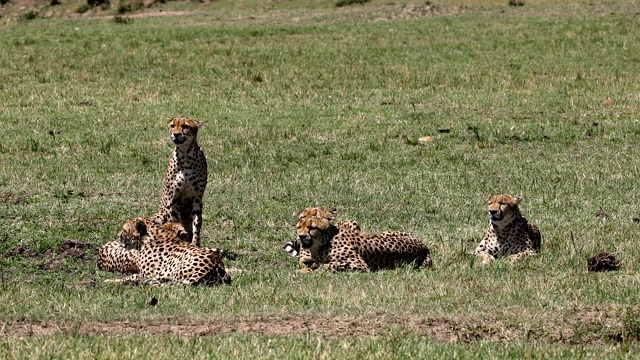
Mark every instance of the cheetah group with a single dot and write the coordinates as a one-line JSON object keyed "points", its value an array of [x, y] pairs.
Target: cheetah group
{"points": [[165, 248]]}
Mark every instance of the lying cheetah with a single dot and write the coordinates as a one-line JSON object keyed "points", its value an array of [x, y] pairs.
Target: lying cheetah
{"points": [[114, 257], [165, 258], [347, 249], [293, 247], [509, 233]]}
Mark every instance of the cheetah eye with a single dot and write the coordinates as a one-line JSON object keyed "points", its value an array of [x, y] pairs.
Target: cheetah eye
{"points": [[186, 127], [172, 125]]}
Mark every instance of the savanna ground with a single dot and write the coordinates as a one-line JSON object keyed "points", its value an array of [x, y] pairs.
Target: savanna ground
{"points": [[306, 103]]}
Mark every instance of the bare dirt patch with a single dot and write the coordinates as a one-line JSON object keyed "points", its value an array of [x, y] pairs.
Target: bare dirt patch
{"points": [[155, 13], [72, 248], [15, 199], [20, 250], [412, 11], [584, 327]]}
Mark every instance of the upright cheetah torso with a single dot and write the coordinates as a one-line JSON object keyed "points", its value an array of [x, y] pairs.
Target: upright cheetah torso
{"points": [[348, 248], [509, 233], [186, 179]]}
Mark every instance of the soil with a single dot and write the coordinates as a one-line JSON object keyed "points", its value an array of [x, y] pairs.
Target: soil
{"points": [[72, 248], [585, 327], [68, 249], [20, 250]]}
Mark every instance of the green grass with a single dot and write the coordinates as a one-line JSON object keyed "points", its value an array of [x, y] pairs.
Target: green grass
{"points": [[305, 103]]}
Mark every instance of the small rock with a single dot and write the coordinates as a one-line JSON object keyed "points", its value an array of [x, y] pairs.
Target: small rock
{"points": [[425, 139]]}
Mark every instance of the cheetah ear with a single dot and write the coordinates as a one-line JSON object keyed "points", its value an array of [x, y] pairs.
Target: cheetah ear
{"points": [[183, 235], [141, 227], [517, 200], [332, 213], [198, 123]]}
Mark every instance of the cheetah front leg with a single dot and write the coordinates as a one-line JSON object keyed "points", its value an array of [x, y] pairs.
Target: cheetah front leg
{"points": [[132, 279], [484, 251], [483, 254], [486, 258], [513, 258], [196, 215]]}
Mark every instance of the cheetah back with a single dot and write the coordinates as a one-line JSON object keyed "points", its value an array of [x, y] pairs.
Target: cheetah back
{"points": [[382, 251]]}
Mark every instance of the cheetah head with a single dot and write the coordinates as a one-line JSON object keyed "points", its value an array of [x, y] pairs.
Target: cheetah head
{"points": [[132, 234], [503, 208], [176, 228], [183, 130], [315, 232], [323, 212]]}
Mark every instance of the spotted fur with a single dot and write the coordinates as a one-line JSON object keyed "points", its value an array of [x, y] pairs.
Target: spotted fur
{"points": [[186, 179], [293, 246], [509, 233], [165, 258], [347, 249], [114, 257]]}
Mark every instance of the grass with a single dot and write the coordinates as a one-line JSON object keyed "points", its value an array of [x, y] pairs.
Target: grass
{"points": [[304, 104], [398, 346]]}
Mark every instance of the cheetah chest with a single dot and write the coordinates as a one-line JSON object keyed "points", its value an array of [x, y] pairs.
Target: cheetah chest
{"points": [[189, 182], [508, 240]]}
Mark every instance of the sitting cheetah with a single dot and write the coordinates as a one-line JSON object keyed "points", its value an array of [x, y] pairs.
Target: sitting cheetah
{"points": [[164, 257], [509, 233], [293, 247], [347, 249], [114, 257], [186, 179]]}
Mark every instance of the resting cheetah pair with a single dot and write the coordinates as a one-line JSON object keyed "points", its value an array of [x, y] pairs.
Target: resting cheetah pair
{"points": [[166, 248], [157, 254], [342, 246]]}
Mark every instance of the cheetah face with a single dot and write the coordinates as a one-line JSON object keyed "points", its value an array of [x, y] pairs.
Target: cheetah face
{"points": [[183, 129], [503, 207], [132, 233], [314, 232]]}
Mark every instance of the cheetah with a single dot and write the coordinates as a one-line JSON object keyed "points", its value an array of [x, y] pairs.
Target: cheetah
{"points": [[293, 247], [186, 179], [509, 233], [165, 258], [347, 249], [114, 257]]}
